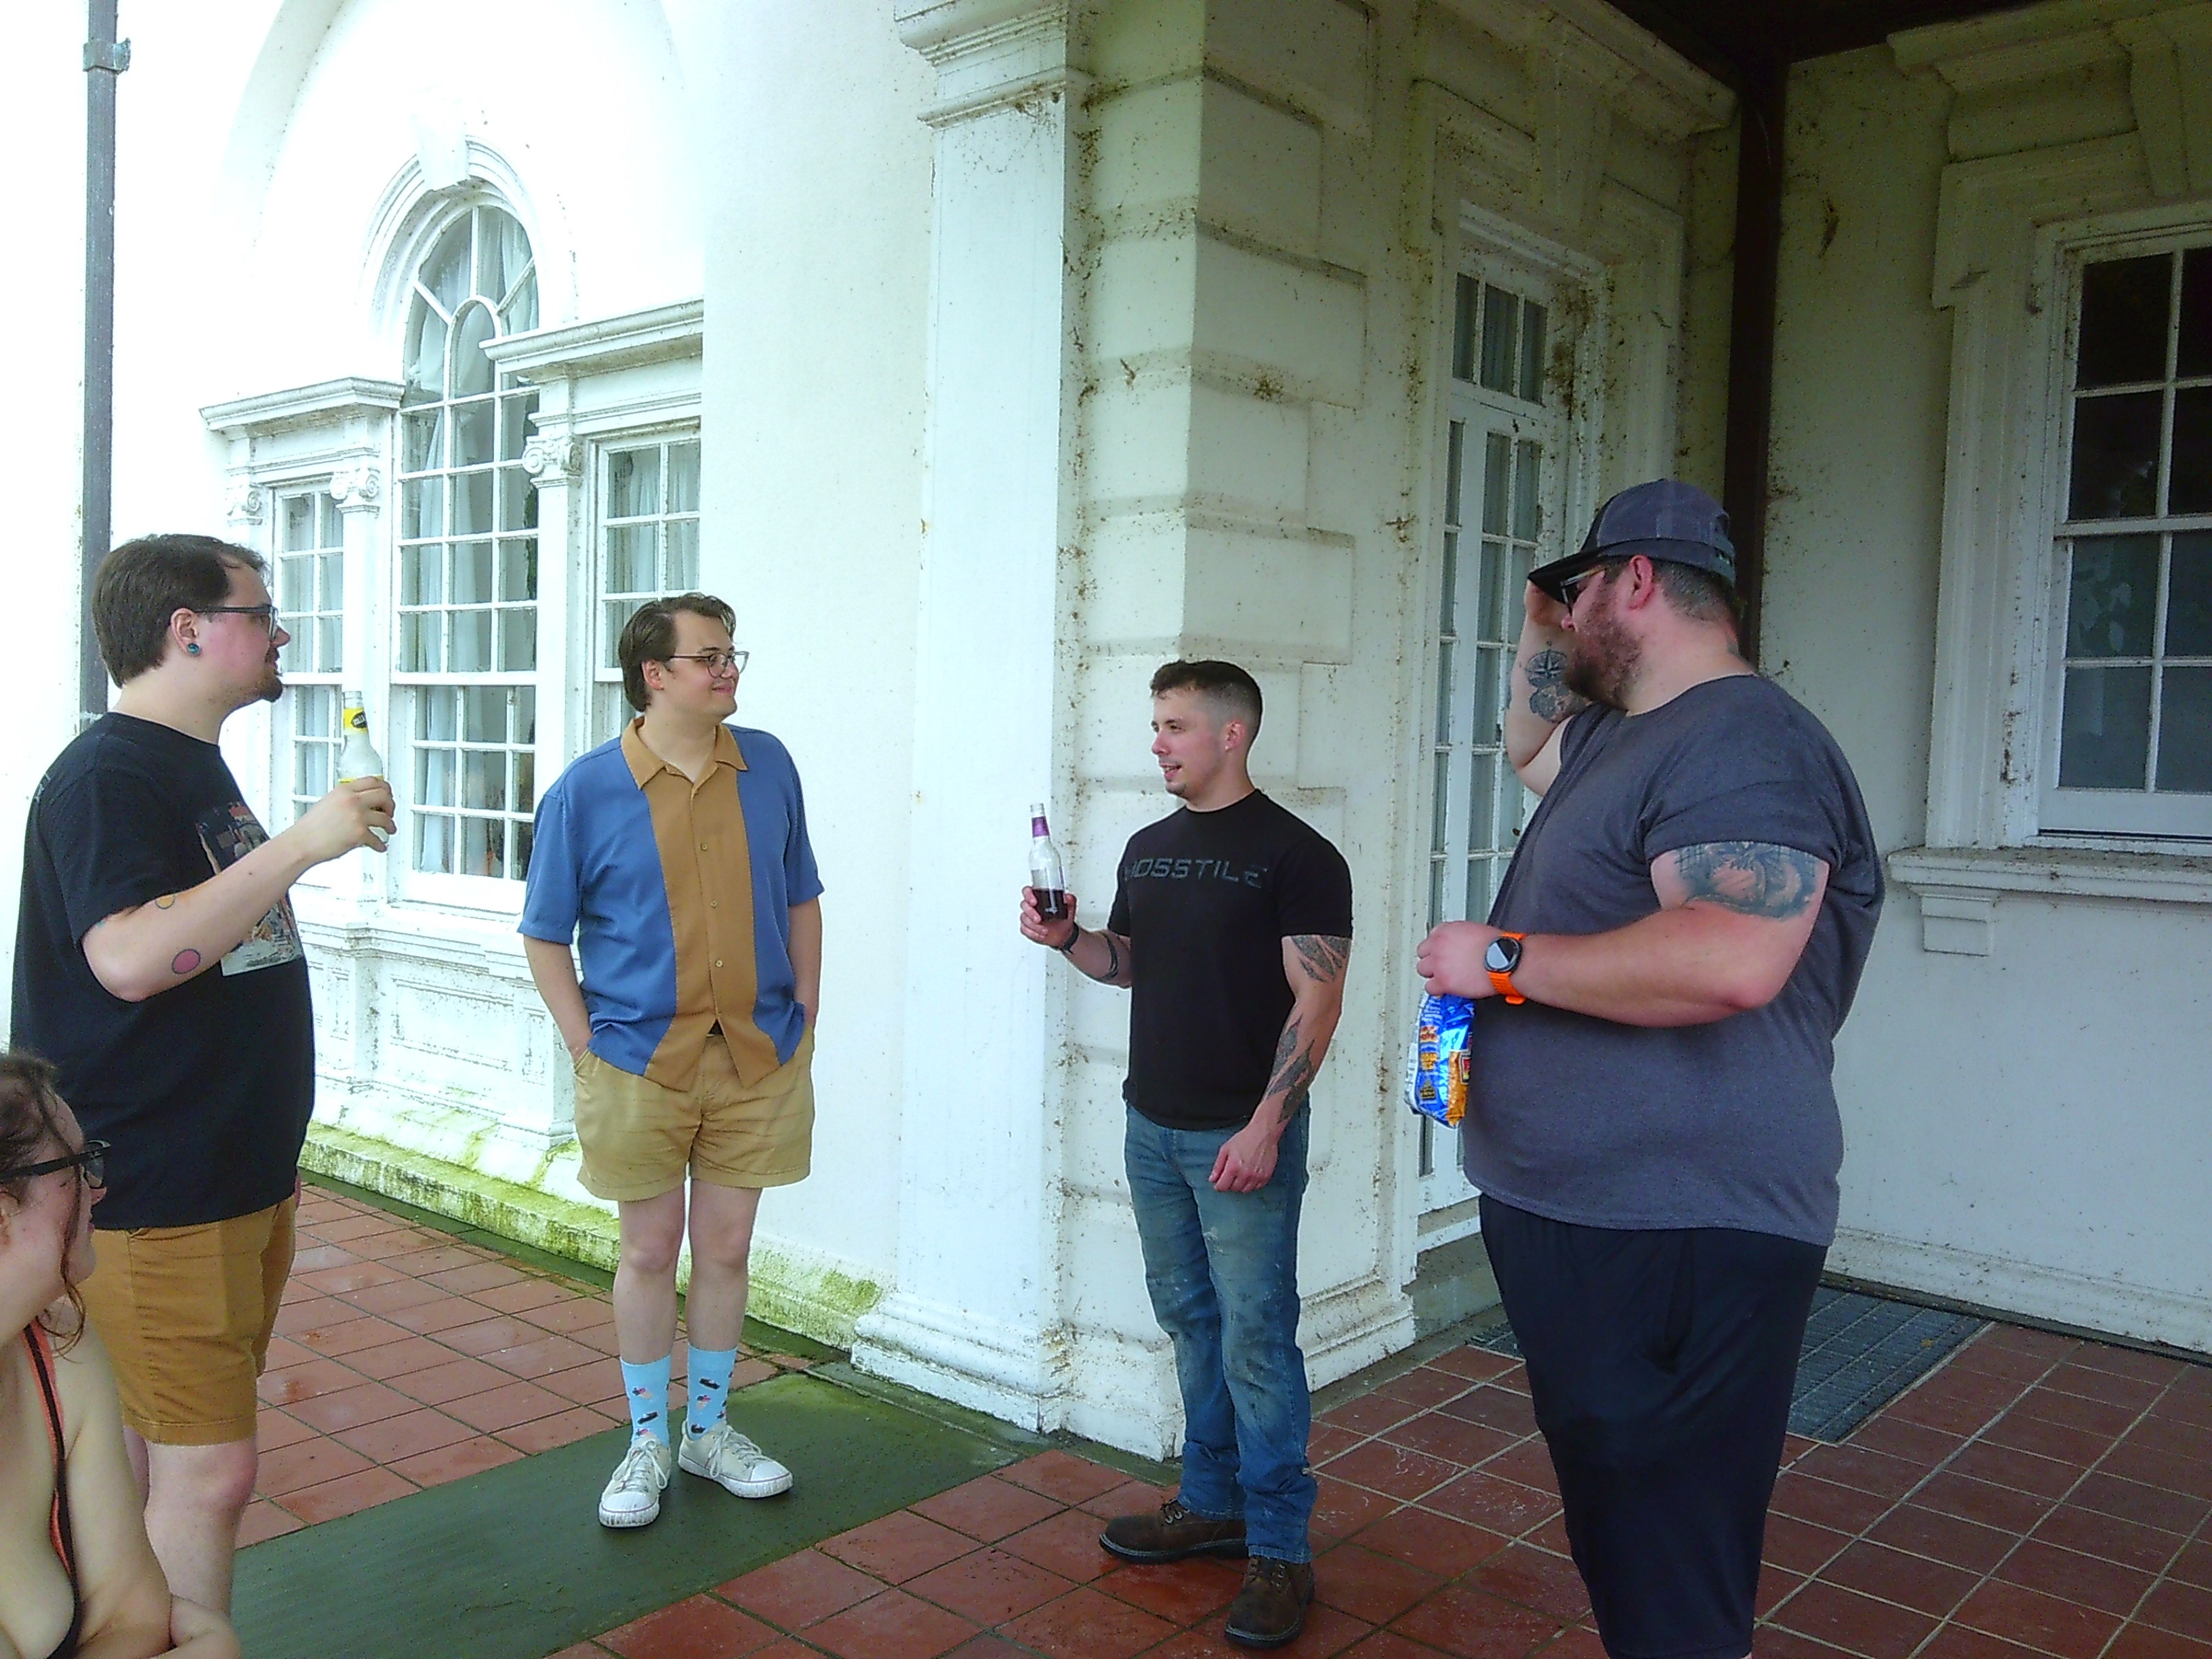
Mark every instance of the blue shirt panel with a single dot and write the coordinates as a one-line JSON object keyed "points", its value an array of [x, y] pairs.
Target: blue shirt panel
{"points": [[783, 875], [595, 877]]}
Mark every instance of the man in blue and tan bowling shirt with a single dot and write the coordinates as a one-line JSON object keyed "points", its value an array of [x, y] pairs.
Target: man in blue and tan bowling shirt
{"points": [[677, 858]]}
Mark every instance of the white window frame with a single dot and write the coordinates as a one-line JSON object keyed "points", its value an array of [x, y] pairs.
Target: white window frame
{"points": [[1572, 290], [502, 893], [604, 672], [2063, 814], [2006, 227]]}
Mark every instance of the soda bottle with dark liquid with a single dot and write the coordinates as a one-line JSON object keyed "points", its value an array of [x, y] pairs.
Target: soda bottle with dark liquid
{"points": [[1046, 873]]}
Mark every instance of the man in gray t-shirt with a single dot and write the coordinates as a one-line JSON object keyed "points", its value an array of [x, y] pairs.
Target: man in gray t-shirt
{"points": [[1651, 1119]]}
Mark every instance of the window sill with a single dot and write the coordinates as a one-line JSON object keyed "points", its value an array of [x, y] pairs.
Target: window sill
{"points": [[1959, 886]]}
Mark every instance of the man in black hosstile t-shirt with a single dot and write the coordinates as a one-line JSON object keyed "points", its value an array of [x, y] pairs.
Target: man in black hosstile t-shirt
{"points": [[159, 967], [1232, 927]]}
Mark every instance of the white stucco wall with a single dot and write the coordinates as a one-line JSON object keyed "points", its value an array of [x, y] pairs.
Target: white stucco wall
{"points": [[2024, 1129]]}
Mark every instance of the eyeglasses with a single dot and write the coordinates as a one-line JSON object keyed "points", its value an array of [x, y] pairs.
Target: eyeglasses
{"points": [[1571, 589], [266, 614], [91, 1165], [714, 661]]}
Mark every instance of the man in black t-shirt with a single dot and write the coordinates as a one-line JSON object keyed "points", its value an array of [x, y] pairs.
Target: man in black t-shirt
{"points": [[1651, 1118], [158, 966], [1232, 927]]}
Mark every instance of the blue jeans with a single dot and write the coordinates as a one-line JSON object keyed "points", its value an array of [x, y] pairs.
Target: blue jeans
{"points": [[1223, 1271]]}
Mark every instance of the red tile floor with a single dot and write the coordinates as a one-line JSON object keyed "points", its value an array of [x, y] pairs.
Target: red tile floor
{"points": [[403, 1357], [2035, 1498]]}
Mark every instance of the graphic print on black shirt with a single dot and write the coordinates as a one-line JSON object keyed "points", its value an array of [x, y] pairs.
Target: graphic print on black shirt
{"points": [[228, 834], [1206, 900], [203, 1091]]}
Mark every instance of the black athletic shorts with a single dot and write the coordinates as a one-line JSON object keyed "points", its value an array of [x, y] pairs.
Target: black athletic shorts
{"points": [[1659, 1364]]}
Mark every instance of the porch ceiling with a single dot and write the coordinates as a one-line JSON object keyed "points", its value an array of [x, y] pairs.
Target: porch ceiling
{"points": [[1738, 41]]}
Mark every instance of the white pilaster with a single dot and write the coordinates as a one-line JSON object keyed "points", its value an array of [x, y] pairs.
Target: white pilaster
{"points": [[976, 1314]]}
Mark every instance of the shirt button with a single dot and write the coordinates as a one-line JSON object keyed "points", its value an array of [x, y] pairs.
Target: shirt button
{"points": [[714, 904], [703, 846], [718, 962]]}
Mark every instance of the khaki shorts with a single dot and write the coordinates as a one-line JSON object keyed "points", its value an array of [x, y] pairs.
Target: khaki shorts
{"points": [[638, 1139], [186, 1314]]}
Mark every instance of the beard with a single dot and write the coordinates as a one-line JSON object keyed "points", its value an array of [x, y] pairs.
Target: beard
{"points": [[1602, 660], [272, 686]]}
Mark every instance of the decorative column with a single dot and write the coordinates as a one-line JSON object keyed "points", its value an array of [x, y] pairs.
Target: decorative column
{"points": [[976, 1315], [356, 490]]}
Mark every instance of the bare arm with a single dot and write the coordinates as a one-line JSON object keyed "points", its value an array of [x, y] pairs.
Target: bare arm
{"points": [[806, 956], [1734, 917], [553, 970], [1540, 702], [1315, 964], [1106, 957], [128, 1611], [144, 951]]}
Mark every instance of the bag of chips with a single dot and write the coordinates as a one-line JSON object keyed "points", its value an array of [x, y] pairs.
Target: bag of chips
{"points": [[1436, 1083]]}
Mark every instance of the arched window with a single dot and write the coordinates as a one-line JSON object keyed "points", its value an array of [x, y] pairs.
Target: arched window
{"points": [[467, 647]]}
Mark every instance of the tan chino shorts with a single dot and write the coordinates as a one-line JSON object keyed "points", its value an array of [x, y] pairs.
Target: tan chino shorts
{"points": [[186, 1314], [638, 1139]]}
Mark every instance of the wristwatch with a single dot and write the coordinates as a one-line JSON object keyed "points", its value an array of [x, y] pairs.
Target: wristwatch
{"points": [[1503, 956]]}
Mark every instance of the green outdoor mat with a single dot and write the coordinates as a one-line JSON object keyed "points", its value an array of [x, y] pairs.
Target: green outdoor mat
{"points": [[513, 1564]]}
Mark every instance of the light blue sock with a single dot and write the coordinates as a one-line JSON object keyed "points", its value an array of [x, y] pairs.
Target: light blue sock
{"points": [[647, 1389], [710, 1388]]}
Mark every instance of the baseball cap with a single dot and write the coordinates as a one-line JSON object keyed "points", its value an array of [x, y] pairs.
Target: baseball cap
{"points": [[1665, 519]]}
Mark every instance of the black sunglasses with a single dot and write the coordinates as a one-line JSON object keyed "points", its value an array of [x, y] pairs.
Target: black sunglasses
{"points": [[91, 1165]]}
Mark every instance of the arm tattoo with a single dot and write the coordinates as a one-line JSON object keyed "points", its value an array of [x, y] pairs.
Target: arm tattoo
{"points": [[184, 962], [168, 900], [1323, 955], [1293, 1067], [1548, 696], [1753, 878]]}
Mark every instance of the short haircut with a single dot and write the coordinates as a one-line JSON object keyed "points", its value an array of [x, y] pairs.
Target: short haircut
{"points": [[650, 636], [1234, 694], [1699, 595], [144, 583], [30, 1120]]}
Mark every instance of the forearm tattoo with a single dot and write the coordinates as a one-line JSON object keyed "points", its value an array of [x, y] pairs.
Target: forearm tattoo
{"points": [[1294, 1067], [1753, 878], [1549, 699], [1323, 955]]}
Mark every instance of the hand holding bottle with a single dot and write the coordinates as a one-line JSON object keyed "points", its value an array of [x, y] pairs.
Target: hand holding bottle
{"points": [[1057, 931]]}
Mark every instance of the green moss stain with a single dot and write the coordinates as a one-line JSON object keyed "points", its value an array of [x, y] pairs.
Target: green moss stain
{"points": [[788, 1291]]}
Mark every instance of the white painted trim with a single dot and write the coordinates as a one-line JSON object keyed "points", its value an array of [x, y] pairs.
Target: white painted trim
{"points": [[1641, 78], [1959, 887], [2101, 1302], [326, 403], [661, 334]]}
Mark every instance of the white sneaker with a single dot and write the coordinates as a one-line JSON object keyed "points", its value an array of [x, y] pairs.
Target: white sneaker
{"points": [[633, 1496], [725, 1455]]}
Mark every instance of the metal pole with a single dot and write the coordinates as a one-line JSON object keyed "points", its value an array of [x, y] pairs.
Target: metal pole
{"points": [[105, 59]]}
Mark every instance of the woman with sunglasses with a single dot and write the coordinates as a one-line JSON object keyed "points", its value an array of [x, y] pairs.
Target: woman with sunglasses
{"points": [[77, 1578]]}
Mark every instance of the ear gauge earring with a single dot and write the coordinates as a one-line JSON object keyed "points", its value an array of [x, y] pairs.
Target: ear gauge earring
{"points": [[191, 650]]}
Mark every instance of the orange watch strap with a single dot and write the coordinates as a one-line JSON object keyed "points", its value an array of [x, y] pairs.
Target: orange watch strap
{"points": [[1502, 984]]}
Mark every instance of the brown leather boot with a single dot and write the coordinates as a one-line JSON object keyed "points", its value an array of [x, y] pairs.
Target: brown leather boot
{"points": [[1174, 1533], [1271, 1608]]}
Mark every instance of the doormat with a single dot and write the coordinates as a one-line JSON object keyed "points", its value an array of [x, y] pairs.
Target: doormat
{"points": [[1861, 1352], [511, 1563]]}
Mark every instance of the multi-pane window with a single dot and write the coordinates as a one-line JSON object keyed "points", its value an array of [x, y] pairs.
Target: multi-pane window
{"points": [[467, 649], [311, 599], [1498, 447], [1493, 513], [648, 547], [2133, 747]]}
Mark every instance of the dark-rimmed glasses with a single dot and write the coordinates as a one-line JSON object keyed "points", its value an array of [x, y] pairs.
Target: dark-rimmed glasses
{"points": [[266, 614], [91, 1165], [1571, 589], [714, 661]]}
